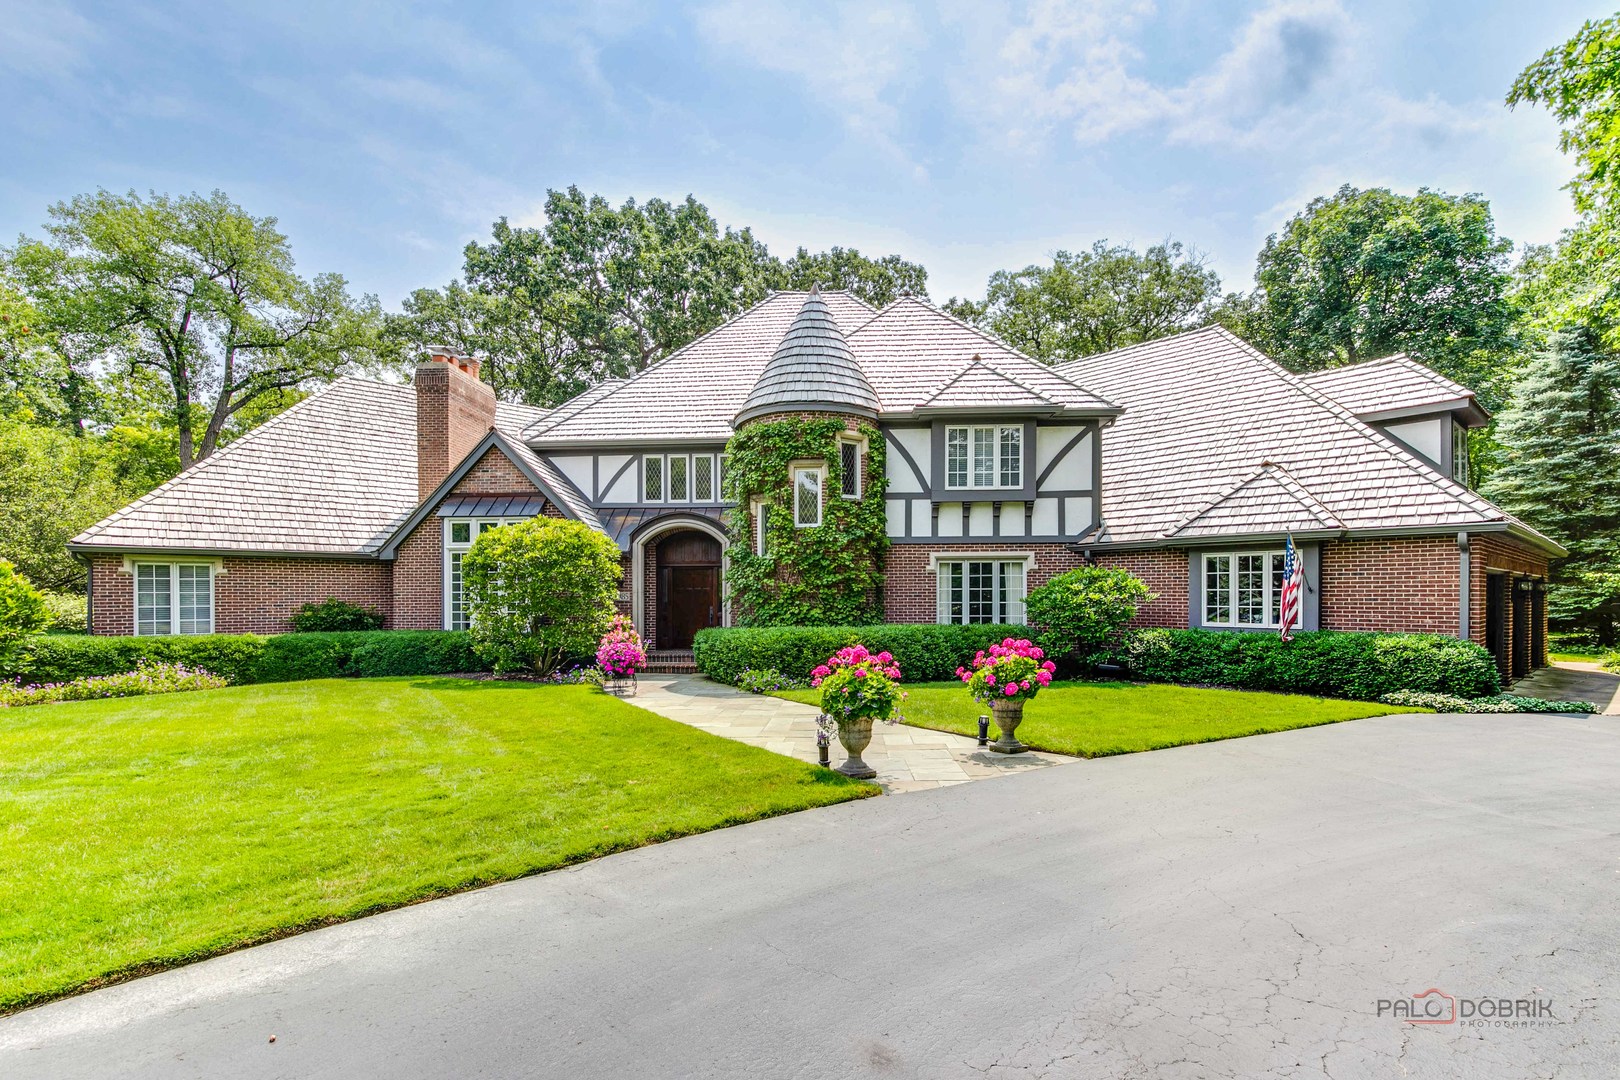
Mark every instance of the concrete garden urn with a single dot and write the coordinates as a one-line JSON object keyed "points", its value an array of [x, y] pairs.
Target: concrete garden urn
{"points": [[1008, 715], [855, 735]]}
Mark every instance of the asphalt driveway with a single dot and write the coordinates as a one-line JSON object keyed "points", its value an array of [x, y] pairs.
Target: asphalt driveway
{"points": [[1231, 909]]}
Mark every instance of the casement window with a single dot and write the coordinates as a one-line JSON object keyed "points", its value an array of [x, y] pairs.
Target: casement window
{"points": [[1459, 454], [680, 478], [458, 538], [849, 465], [1242, 588], [984, 457], [972, 591], [174, 598], [807, 496], [761, 525]]}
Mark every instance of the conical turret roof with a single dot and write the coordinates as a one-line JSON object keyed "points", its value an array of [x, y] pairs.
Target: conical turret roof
{"points": [[813, 370]]}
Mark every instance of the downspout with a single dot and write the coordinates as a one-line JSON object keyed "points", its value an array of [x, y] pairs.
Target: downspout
{"points": [[89, 592], [1465, 573]]}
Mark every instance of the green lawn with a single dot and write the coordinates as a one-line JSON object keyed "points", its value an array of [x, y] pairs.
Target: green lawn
{"points": [[142, 832], [1096, 719]]}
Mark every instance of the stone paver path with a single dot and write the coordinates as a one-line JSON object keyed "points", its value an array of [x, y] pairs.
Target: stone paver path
{"points": [[906, 758], [1571, 680]]}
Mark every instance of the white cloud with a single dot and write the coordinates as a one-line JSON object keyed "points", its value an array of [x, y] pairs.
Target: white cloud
{"points": [[50, 40]]}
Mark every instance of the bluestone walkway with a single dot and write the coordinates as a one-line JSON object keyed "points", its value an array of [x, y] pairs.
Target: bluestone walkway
{"points": [[906, 758]]}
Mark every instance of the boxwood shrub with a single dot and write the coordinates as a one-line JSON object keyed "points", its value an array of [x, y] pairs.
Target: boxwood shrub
{"points": [[247, 658], [925, 652], [1326, 663]]}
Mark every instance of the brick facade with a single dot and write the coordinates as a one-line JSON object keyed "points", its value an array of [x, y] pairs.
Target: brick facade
{"points": [[454, 411], [1405, 585], [910, 589], [252, 594], [1492, 554], [1165, 572]]}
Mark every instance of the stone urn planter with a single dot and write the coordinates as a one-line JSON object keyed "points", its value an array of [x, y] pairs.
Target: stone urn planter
{"points": [[1009, 714], [855, 736], [620, 685]]}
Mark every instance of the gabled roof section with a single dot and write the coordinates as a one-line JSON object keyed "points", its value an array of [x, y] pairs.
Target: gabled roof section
{"points": [[334, 475], [1395, 386], [979, 386], [551, 483], [910, 349], [1205, 412], [692, 394], [1270, 501], [812, 369]]}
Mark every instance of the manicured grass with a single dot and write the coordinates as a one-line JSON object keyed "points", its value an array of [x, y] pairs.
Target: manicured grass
{"points": [[142, 832], [1589, 656], [1096, 719]]}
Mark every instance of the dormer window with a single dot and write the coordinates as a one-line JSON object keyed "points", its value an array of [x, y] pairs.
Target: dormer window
{"points": [[984, 457]]}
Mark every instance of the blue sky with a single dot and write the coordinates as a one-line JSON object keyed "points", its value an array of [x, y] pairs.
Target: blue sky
{"points": [[967, 136]]}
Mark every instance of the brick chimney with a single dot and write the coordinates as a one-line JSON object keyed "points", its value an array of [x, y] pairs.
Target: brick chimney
{"points": [[453, 412]]}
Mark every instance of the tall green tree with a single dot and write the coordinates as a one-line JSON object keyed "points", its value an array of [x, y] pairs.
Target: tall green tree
{"points": [[199, 292], [1559, 469], [613, 289], [878, 281], [1365, 273], [1092, 301]]}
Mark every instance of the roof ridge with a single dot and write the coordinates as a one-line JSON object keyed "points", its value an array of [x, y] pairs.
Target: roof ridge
{"points": [[198, 468], [1298, 491], [1384, 442], [1151, 342], [979, 362]]}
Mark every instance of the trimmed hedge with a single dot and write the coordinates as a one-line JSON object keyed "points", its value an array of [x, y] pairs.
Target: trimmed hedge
{"points": [[1327, 663], [925, 652], [248, 658]]}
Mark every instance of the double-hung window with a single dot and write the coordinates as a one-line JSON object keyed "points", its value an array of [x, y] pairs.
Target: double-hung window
{"points": [[680, 478], [984, 457], [1243, 588], [973, 591], [174, 598], [807, 496], [459, 537]]}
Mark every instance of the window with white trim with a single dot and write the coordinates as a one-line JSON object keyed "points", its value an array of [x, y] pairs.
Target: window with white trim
{"points": [[849, 464], [807, 497], [984, 457], [761, 523], [1459, 453], [458, 539], [174, 598], [680, 478], [1242, 588], [974, 591]]}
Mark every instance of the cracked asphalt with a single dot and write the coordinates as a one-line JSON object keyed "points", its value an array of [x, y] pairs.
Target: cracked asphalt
{"points": [[1235, 909]]}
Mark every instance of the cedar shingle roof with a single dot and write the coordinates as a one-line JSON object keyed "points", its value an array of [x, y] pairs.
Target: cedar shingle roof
{"points": [[1393, 384], [333, 475], [811, 368], [1217, 439], [908, 352]]}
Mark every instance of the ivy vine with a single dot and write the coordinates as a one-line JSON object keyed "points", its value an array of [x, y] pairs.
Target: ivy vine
{"points": [[829, 575]]}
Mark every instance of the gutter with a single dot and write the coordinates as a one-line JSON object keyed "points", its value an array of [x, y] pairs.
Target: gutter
{"points": [[1521, 532]]}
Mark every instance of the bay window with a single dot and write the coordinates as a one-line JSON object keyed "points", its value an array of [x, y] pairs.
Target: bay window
{"points": [[1242, 588], [981, 591], [174, 598], [984, 457]]}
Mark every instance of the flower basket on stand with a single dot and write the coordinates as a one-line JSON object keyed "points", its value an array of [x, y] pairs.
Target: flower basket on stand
{"points": [[621, 657], [857, 687], [1004, 677]]}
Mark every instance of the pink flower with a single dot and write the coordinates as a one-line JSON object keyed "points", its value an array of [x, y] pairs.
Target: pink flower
{"points": [[991, 678], [1049, 666], [1024, 684], [1011, 689]]}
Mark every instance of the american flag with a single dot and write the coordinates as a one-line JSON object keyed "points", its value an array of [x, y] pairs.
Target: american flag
{"points": [[1293, 590]]}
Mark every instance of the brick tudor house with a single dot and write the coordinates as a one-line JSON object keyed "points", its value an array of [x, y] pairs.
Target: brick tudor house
{"points": [[1185, 460]]}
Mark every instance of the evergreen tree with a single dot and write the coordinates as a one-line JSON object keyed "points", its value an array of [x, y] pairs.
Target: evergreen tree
{"points": [[1560, 470]]}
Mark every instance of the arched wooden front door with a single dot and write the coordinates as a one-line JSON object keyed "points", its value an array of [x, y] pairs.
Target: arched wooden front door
{"points": [[688, 588]]}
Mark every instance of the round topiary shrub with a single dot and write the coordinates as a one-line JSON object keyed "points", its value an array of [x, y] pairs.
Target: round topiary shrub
{"points": [[1081, 615], [539, 592]]}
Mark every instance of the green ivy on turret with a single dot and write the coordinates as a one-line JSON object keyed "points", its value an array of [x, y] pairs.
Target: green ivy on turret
{"points": [[831, 574]]}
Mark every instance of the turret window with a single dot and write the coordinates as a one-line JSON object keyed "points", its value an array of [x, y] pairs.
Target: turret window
{"points": [[807, 497]]}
